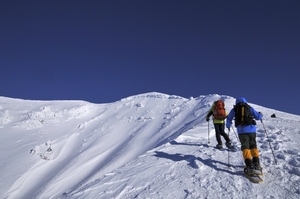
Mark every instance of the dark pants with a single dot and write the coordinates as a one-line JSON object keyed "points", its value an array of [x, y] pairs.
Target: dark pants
{"points": [[220, 131], [248, 141]]}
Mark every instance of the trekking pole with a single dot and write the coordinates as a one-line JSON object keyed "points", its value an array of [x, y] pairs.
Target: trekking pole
{"points": [[228, 152], [235, 134], [208, 133], [269, 141]]}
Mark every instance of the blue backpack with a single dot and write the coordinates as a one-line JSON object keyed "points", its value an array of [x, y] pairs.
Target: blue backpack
{"points": [[243, 116]]}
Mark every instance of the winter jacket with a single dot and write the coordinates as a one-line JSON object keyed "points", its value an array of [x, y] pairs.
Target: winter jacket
{"points": [[216, 121], [243, 129]]}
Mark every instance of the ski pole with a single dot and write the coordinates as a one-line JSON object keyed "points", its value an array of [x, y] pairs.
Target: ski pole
{"points": [[269, 141], [208, 132]]}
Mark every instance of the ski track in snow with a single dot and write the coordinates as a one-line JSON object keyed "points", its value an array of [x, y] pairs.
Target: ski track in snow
{"points": [[146, 146]]}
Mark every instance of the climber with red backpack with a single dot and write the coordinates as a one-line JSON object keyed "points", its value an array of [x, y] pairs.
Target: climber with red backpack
{"points": [[219, 115]]}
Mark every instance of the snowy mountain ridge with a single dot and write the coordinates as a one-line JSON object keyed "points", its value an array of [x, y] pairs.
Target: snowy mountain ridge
{"points": [[150, 145]]}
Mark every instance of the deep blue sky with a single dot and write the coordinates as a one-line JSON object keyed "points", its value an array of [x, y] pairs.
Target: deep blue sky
{"points": [[102, 51]]}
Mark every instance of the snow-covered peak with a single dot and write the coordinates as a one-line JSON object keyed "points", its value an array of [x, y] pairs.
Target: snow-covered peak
{"points": [[133, 147], [153, 95]]}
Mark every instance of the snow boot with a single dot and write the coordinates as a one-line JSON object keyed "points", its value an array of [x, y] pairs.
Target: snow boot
{"points": [[249, 168], [219, 146], [257, 167], [230, 146]]}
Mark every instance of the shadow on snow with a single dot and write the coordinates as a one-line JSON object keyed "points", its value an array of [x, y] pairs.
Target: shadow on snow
{"points": [[191, 160]]}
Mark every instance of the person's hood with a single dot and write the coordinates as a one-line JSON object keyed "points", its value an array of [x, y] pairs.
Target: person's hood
{"points": [[241, 99]]}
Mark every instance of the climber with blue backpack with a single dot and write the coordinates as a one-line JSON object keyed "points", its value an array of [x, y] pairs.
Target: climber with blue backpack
{"points": [[245, 116]]}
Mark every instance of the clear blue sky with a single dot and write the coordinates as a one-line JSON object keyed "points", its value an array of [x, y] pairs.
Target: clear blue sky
{"points": [[102, 51]]}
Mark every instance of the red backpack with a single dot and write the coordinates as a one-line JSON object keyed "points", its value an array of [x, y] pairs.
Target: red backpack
{"points": [[219, 110]]}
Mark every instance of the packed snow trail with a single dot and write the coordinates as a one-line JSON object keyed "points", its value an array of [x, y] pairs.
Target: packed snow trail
{"points": [[189, 168]]}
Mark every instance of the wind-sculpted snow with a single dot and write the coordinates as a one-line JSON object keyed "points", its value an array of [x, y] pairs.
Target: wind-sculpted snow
{"points": [[150, 145]]}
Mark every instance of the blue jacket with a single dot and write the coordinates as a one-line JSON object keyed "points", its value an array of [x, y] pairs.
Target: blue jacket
{"points": [[243, 129]]}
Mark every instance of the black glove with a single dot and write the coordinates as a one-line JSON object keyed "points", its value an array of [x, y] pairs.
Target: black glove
{"points": [[207, 119], [260, 113], [228, 129]]}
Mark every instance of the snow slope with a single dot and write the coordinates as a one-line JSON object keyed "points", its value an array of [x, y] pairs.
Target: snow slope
{"points": [[150, 145]]}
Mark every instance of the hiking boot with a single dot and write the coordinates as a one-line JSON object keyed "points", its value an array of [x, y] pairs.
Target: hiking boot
{"points": [[229, 145], [255, 161], [248, 170], [219, 146], [256, 165], [257, 169]]}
